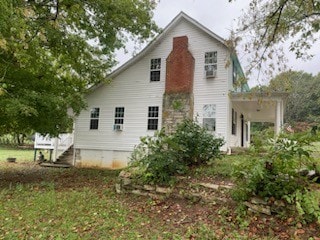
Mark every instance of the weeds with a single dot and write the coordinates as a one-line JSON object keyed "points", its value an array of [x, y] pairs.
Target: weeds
{"points": [[276, 175]]}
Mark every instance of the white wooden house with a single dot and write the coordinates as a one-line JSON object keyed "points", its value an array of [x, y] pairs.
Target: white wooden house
{"points": [[186, 71]]}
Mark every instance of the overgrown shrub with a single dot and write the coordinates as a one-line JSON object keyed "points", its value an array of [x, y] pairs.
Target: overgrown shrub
{"points": [[307, 204], [278, 174], [157, 158], [196, 144], [162, 156]]}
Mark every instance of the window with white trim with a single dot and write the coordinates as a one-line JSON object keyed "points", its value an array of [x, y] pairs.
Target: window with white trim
{"points": [[94, 118], [234, 122], [155, 67], [209, 117], [119, 115], [234, 72], [153, 117], [210, 64]]}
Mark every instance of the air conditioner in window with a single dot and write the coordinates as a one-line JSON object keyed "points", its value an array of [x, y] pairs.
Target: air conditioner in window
{"points": [[117, 127], [211, 73]]}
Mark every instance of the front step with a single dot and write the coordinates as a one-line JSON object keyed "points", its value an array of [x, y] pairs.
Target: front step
{"points": [[57, 165], [67, 157]]}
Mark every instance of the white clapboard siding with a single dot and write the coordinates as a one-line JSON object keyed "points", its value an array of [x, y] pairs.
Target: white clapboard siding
{"points": [[132, 90]]}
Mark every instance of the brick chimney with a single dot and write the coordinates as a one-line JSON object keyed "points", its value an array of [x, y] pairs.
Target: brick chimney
{"points": [[180, 67], [178, 96]]}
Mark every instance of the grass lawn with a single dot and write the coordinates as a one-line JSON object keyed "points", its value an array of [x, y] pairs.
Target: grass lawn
{"points": [[22, 155], [52, 203]]}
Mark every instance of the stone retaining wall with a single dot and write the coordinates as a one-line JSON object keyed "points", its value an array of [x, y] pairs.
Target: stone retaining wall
{"points": [[184, 189], [195, 192]]}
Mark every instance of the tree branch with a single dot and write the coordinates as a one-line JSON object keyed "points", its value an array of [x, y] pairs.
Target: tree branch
{"points": [[57, 11]]}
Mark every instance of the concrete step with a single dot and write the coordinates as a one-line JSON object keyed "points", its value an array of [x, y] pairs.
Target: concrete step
{"points": [[57, 165]]}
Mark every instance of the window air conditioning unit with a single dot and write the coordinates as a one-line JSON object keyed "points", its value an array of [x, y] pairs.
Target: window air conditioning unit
{"points": [[117, 127], [211, 73]]}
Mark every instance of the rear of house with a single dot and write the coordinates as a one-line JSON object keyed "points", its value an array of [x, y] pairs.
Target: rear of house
{"points": [[187, 71]]}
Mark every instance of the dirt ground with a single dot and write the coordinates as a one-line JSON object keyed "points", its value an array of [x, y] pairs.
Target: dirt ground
{"points": [[172, 213]]}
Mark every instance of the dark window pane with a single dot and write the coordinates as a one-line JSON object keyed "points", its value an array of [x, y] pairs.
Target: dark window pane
{"points": [[94, 123], [119, 115], [155, 63], [154, 76], [152, 124], [234, 122], [153, 113], [118, 121], [95, 113]]}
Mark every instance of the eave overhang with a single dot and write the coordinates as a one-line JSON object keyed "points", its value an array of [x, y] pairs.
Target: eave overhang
{"points": [[259, 107]]}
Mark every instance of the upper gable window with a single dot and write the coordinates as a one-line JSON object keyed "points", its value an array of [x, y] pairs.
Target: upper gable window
{"points": [[210, 64], [94, 118], [155, 67]]}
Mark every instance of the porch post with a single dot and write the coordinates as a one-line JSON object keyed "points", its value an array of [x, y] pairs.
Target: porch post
{"points": [[249, 133], [279, 117], [55, 149]]}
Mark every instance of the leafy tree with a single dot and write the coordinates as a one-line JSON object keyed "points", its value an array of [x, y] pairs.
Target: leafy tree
{"points": [[303, 102], [51, 51], [267, 25]]}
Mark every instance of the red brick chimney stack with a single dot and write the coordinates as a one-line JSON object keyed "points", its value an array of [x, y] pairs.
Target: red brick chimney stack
{"points": [[180, 67]]}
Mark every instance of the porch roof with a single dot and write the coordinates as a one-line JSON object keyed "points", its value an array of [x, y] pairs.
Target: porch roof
{"points": [[258, 107]]}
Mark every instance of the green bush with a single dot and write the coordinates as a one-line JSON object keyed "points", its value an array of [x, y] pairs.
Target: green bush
{"points": [[277, 174], [196, 144], [157, 157], [162, 156], [307, 204]]}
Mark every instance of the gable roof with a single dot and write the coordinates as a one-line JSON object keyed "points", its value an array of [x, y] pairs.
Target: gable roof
{"points": [[158, 38], [181, 16]]}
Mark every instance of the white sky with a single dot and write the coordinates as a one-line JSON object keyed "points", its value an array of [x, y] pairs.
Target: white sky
{"points": [[220, 17]]}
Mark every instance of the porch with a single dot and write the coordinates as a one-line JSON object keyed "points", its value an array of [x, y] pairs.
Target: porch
{"points": [[60, 148], [260, 107]]}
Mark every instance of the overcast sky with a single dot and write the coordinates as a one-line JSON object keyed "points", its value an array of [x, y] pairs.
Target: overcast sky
{"points": [[220, 17]]}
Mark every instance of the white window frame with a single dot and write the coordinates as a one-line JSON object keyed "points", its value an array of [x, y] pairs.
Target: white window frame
{"points": [[210, 64], [155, 69], [119, 115], [209, 116], [153, 117], [94, 118]]}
